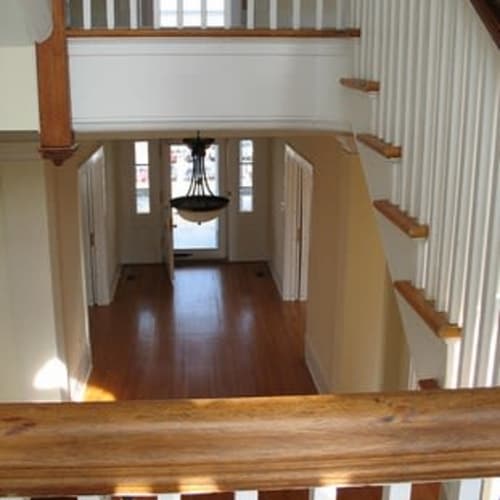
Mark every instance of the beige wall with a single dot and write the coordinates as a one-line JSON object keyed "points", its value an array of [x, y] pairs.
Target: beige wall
{"points": [[18, 90], [30, 336], [354, 336]]}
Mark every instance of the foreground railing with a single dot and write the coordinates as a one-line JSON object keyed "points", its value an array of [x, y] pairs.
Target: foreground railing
{"points": [[332, 16], [249, 443]]}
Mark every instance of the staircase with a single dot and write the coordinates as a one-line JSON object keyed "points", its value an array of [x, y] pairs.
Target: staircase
{"points": [[425, 102]]}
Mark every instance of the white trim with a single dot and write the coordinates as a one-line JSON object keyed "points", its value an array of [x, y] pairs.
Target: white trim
{"points": [[78, 387], [276, 280], [19, 152], [148, 124], [314, 367], [114, 284], [196, 46]]}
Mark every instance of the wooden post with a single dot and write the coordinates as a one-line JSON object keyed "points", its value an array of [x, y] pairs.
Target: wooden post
{"points": [[57, 141]]}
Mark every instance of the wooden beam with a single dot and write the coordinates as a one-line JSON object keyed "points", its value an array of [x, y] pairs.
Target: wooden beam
{"points": [[437, 321], [213, 32], [409, 225], [380, 146], [56, 135], [138, 447]]}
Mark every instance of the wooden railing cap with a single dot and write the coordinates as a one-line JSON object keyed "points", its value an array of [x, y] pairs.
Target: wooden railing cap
{"points": [[256, 443]]}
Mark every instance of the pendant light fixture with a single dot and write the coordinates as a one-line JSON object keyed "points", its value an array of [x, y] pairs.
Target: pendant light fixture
{"points": [[199, 204]]}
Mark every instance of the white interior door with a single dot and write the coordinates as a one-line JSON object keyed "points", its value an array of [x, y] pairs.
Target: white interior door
{"points": [[192, 240], [87, 231], [298, 203]]}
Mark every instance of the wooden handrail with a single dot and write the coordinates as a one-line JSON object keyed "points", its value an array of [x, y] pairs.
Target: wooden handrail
{"points": [[212, 32], [489, 12], [248, 443]]}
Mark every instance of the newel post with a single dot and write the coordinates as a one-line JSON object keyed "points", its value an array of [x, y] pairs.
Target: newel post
{"points": [[57, 142]]}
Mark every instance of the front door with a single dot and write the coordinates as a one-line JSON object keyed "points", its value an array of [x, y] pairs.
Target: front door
{"points": [[192, 240]]}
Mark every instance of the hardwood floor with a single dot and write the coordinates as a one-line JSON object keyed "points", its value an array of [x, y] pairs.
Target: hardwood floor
{"points": [[221, 331]]}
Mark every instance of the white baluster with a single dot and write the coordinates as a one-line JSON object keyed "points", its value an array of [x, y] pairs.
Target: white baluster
{"points": [[204, 14], [180, 14], [491, 489], [246, 495], [441, 151], [134, 11], [395, 46], [400, 491], [384, 65], [87, 14], [250, 14], [156, 14], [484, 192], [323, 493], [319, 14], [169, 496], [453, 163], [273, 14], [365, 36], [468, 164], [339, 15], [228, 14], [419, 76], [296, 14], [110, 14], [466, 489], [406, 112]]}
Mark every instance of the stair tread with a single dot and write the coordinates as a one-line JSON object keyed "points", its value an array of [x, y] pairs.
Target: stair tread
{"points": [[380, 146], [361, 84], [409, 225], [437, 321]]}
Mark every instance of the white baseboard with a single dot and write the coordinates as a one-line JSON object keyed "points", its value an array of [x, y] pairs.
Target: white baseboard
{"points": [[315, 368], [78, 387], [276, 280], [114, 285]]}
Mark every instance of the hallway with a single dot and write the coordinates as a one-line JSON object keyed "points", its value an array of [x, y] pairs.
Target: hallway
{"points": [[221, 331]]}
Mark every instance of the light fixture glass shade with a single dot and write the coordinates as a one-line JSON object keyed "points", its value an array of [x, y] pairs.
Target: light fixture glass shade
{"points": [[199, 204]]}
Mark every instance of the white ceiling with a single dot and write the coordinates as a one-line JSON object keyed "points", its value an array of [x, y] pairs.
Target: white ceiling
{"points": [[23, 22]]}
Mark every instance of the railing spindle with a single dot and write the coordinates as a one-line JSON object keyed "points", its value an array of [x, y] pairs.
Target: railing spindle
{"points": [[273, 14], [323, 493], [319, 14], [400, 491], [156, 14], [180, 13], [250, 14], [134, 11], [296, 14], [169, 496], [339, 15], [87, 14], [110, 14], [204, 14], [228, 14], [466, 489], [246, 495]]}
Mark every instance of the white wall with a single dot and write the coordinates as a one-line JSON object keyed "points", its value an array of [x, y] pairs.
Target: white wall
{"points": [[18, 89], [249, 233], [253, 84]]}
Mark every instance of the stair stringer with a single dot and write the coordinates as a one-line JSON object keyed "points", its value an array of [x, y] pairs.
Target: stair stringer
{"points": [[432, 357]]}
